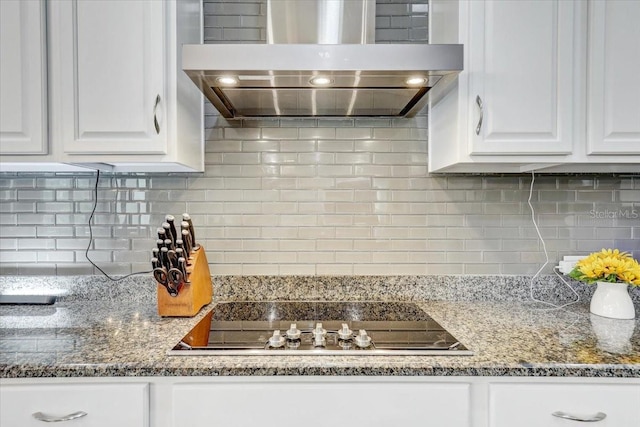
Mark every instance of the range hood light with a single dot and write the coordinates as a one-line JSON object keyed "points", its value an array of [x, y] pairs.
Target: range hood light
{"points": [[416, 81], [227, 80], [320, 81]]}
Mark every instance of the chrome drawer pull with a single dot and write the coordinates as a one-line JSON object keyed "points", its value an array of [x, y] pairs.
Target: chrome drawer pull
{"points": [[479, 103], [595, 418], [51, 419]]}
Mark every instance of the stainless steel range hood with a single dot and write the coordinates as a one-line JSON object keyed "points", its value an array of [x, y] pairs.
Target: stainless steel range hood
{"points": [[339, 76]]}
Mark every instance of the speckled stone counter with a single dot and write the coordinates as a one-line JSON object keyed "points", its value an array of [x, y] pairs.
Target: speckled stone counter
{"points": [[118, 333]]}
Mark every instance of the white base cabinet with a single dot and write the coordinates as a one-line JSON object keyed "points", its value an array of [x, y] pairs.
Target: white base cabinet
{"points": [[551, 405], [547, 85], [78, 405], [321, 402]]}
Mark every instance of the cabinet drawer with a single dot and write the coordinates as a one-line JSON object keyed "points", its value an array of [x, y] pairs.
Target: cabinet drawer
{"points": [[109, 405], [320, 404], [531, 405]]}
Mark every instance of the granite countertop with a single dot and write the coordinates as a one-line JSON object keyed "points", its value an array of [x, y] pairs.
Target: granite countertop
{"points": [[122, 335]]}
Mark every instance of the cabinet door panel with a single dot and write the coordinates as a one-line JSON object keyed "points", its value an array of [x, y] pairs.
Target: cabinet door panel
{"points": [[106, 405], [320, 404], [613, 83], [531, 405], [23, 103], [111, 60], [522, 69]]}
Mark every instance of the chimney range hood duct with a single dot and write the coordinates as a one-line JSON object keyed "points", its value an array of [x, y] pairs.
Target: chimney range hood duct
{"points": [[319, 61]]}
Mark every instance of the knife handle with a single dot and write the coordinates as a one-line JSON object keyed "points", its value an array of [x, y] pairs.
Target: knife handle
{"points": [[173, 259], [170, 219], [164, 257], [167, 231], [182, 265], [187, 218], [186, 239]]}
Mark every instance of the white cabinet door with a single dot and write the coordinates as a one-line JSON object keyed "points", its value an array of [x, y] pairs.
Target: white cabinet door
{"points": [[613, 116], [108, 72], [532, 405], [23, 78], [521, 97], [321, 403], [105, 405]]}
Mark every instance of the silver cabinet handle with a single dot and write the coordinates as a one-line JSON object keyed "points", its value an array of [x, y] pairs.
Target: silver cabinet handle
{"points": [[479, 126], [595, 418], [51, 419], [155, 115]]}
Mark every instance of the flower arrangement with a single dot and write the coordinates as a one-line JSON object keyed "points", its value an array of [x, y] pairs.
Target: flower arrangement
{"points": [[608, 265]]}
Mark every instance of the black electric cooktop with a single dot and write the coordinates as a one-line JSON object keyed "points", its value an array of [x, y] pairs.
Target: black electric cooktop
{"points": [[318, 328]]}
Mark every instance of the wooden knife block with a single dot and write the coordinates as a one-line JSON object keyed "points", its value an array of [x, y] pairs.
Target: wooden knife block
{"points": [[192, 296]]}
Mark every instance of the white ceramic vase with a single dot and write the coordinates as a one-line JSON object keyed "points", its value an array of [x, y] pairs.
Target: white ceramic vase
{"points": [[612, 300]]}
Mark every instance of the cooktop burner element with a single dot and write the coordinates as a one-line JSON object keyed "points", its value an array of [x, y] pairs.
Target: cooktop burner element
{"points": [[319, 328]]}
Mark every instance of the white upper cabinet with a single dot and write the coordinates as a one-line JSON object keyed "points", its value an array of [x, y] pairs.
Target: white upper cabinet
{"points": [[527, 99], [613, 115], [118, 98], [23, 78], [107, 62], [521, 59]]}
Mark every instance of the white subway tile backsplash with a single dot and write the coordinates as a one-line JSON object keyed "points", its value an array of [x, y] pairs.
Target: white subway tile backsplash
{"points": [[280, 133], [334, 269], [56, 256], [317, 133], [353, 133], [373, 146], [335, 146], [36, 195], [19, 257], [297, 245], [29, 244], [301, 170], [49, 231]]}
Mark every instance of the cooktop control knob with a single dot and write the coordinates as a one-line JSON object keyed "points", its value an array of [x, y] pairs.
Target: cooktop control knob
{"points": [[345, 333], [362, 339], [277, 340], [318, 336], [319, 341], [319, 330], [293, 333]]}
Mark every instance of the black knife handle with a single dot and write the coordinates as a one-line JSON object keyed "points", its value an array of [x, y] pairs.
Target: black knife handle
{"points": [[187, 218], [164, 257], [161, 234], [173, 259], [167, 231], [170, 219], [186, 239], [182, 265]]}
